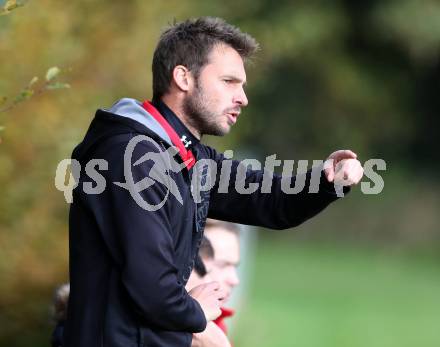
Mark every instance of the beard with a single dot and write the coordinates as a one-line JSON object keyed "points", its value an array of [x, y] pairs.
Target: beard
{"points": [[198, 109]]}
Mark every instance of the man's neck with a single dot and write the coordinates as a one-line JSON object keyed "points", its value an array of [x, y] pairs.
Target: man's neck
{"points": [[176, 106]]}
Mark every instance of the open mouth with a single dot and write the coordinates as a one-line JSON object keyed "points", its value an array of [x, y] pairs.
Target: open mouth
{"points": [[232, 117]]}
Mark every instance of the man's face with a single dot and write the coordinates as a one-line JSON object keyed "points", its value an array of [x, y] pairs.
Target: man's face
{"points": [[226, 258], [214, 102]]}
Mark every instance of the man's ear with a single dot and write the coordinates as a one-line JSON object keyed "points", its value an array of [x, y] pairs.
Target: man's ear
{"points": [[182, 78]]}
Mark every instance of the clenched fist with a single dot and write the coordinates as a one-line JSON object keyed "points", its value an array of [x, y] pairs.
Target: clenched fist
{"points": [[343, 168], [209, 296]]}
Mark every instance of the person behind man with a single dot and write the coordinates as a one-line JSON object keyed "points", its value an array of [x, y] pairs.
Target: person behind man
{"points": [[60, 305], [213, 335], [218, 260], [202, 265], [225, 241], [132, 245]]}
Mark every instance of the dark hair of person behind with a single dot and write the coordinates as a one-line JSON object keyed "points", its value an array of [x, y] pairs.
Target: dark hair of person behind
{"points": [[206, 251], [189, 43]]}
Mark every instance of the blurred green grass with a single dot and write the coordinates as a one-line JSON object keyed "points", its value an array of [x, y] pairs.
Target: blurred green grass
{"points": [[313, 295]]}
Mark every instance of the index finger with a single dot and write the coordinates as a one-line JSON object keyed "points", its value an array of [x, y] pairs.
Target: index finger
{"points": [[349, 153], [343, 154]]}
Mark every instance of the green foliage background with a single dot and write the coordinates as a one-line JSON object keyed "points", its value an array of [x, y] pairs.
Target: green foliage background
{"points": [[331, 74]]}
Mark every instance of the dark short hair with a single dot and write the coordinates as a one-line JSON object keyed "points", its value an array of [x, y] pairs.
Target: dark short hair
{"points": [[206, 251], [189, 43]]}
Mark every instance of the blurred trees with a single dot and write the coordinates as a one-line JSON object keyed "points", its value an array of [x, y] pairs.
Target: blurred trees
{"points": [[343, 73], [363, 75], [34, 87], [9, 5]]}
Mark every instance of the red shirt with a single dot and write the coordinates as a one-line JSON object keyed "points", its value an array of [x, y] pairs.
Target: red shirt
{"points": [[226, 312]]}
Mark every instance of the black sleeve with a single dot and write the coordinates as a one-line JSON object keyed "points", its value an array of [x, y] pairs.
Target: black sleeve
{"points": [[274, 209], [146, 247]]}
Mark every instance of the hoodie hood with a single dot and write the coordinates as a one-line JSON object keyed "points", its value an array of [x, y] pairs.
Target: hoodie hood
{"points": [[124, 117], [133, 109]]}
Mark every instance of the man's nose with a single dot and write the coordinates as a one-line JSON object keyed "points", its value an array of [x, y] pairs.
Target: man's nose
{"points": [[241, 98], [233, 278]]}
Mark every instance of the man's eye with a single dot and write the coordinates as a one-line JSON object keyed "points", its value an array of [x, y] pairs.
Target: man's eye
{"points": [[227, 81]]}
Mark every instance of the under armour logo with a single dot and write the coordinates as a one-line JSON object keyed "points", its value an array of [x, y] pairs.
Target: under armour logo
{"points": [[186, 143]]}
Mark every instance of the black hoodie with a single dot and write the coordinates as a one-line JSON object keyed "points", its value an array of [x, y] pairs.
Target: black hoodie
{"points": [[129, 265]]}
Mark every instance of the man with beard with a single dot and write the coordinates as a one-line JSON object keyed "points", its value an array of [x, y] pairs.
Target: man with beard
{"points": [[133, 239]]}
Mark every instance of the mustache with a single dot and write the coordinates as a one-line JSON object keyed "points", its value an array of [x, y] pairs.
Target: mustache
{"points": [[233, 110]]}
